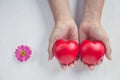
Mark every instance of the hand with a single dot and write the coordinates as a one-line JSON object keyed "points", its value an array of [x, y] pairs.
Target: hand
{"points": [[66, 29], [95, 31]]}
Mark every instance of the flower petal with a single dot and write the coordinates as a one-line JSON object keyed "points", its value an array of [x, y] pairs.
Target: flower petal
{"points": [[28, 52], [26, 47], [18, 54], [19, 58], [22, 47], [17, 51], [26, 57]]}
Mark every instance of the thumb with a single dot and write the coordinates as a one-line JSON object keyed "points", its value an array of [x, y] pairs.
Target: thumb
{"points": [[56, 34], [108, 49], [51, 55], [82, 36]]}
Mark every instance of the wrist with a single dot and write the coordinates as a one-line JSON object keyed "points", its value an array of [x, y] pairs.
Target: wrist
{"points": [[90, 23], [92, 12], [66, 23], [63, 18], [86, 20], [91, 17]]}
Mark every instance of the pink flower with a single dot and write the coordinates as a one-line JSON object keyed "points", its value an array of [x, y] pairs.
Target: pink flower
{"points": [[23, 53]]}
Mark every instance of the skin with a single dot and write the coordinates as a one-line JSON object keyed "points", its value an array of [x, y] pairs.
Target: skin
{"points": [[66, 28], [91, 28]]}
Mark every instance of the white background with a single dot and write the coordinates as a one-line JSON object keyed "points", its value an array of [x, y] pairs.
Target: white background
{"points": [[30, 22]]}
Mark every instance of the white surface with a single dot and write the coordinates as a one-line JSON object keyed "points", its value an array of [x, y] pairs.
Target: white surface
{"points": [[30, 22]]}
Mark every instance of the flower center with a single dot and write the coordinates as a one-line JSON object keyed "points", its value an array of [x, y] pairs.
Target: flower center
{"points": [[23, 53]]}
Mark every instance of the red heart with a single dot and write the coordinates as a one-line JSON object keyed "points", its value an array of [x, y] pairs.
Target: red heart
{"points": [[91, 52], [65, 51]]}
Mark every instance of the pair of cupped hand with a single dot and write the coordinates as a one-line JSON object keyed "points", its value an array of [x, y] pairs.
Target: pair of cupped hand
{"points": [[68, 29]]}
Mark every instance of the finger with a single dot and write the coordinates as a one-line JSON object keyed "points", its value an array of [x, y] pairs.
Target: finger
{"points": [[75, 62], [71, 65], [91, 67], [80, 60], [108, 49], [100, 62], [64, 67], [86, 65]]}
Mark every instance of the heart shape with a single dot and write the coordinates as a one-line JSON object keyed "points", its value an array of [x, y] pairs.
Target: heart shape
{"points": [[91, 52], [65, 51]]}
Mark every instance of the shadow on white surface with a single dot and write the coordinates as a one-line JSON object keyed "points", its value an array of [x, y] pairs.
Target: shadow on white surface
{"points": [[78, 11], [35, 16], [78, 16], [49, 24], [49, 66]]}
